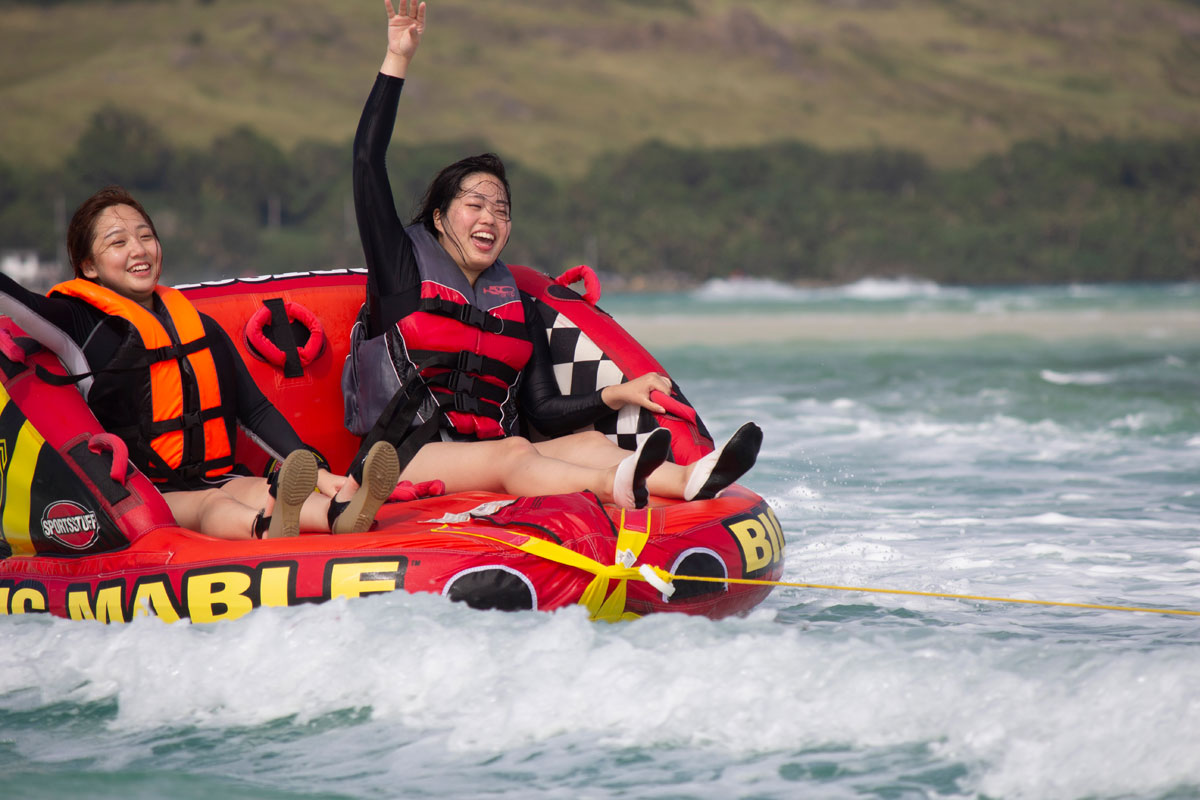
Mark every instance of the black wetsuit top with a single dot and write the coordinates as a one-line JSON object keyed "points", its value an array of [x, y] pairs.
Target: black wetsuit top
{"points": [[394, 283], [100, 335]]}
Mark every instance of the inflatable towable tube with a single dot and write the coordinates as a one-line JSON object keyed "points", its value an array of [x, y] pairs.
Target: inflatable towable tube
{"points": [[84, 535]]}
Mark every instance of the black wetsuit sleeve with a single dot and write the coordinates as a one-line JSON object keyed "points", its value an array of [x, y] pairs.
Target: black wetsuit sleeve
{"points": [[75, 317], [393, 282], [540, 401], [249, 406]]}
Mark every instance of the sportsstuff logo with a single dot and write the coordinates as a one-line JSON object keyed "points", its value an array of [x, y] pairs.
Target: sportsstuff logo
{"points": [[70, 524]]}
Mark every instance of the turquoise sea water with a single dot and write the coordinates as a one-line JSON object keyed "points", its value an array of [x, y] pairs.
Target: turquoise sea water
{"points": [[1057, 468]]}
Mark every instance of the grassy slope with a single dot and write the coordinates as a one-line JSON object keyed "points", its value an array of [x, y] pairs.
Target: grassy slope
{"points": [[554, 83]]}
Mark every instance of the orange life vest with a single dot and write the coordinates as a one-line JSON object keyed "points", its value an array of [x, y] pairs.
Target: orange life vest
{"points": [[167, 372]]}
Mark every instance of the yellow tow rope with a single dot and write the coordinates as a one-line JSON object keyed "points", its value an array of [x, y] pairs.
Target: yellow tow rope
{"points": [[603, 604], [947, 595]]}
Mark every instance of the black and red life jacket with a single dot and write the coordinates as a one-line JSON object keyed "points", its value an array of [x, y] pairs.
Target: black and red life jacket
{"points": [[459, 354]]}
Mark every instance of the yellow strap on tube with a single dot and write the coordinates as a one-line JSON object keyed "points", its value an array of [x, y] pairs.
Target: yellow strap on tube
{"points": [[600, 603], [611, 607]]}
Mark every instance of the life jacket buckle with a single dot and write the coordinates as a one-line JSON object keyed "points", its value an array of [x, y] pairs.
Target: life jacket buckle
{"points": [[470, 315], [461, 383], [466, 404], [469, 362], [478, 318]]}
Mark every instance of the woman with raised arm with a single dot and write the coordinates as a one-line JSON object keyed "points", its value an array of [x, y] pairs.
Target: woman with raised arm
{"points": [[168, 381], [446, 355]]}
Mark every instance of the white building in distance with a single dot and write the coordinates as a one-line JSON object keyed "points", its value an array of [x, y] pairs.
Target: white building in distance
{"points": [[24, 267]]}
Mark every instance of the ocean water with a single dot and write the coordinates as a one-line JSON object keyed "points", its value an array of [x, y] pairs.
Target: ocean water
{"points": [[1055, 467]]}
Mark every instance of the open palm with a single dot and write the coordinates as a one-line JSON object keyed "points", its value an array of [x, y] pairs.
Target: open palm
{"points": [[405, 27]]}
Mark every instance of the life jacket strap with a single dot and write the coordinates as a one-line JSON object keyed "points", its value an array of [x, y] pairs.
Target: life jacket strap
{"points": [[467, 362], [170, 352], [395, 425], [188, 419], [461, 383], [162, 473], [465, 404], [475, 317]]}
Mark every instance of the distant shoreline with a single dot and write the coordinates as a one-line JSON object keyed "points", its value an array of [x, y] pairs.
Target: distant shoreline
{"points": [[668, 281], [671, 330]]}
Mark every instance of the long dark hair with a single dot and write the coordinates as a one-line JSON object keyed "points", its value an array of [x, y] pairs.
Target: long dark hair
{"points": [[448, 184], [81, 232]]}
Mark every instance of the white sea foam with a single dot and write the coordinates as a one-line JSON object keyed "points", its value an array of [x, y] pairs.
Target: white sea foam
{"points": [[749, 289], [1076, 378], [1024, 718], [865, 289], [899, 289]]}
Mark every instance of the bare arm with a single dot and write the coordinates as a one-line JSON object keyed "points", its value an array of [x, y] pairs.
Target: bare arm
{"points": [[405, 28]]}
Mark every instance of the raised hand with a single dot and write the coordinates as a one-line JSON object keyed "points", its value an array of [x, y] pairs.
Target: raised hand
{"points": [[406, 25]]}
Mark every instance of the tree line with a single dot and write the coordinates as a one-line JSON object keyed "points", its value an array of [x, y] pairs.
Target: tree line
{"points": [[1068, 210]]}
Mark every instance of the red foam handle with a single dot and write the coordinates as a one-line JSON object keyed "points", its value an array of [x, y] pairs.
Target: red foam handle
{"points": [[591, 284], [673, 406], [8, 346], [120, 453]]}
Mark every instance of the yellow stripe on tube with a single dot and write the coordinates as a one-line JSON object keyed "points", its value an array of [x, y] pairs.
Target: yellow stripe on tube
{"points": [[18, 484]]}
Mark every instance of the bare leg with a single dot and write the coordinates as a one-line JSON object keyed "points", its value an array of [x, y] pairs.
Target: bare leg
{"points": [[212, 512], [512, 466], [232, 510], [702, 479], [594, 449], [254, 493]]}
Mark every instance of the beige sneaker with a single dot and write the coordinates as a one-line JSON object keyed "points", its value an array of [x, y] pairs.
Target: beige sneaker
{"points": [[381, 472], [294, 484]]}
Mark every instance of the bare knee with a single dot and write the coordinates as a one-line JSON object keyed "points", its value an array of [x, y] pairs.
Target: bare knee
{"points": [[516, 448], [586, 448], [192, 509], [596, 439]]}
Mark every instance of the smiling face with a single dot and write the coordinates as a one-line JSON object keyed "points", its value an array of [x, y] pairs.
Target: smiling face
{"points": [[476, 225], [125, 255]]}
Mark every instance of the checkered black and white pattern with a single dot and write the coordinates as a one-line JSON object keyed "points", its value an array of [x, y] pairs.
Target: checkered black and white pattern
{"points": [[580, 366]]}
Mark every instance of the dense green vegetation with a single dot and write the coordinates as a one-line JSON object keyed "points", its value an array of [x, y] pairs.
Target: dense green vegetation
{"points": [[1070, 210], [964, 140], [557, 83]]}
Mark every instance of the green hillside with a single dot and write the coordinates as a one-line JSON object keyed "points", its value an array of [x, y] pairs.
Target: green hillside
{"points": [[968, 141], [554, 83]]}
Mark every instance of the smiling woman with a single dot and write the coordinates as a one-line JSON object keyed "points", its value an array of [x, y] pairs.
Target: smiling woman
{"points": [[168, 382], [476, 225], [445, 363], [125, 254]]}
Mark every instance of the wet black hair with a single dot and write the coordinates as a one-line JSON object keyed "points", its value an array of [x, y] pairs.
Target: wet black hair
{"points": [[447, 185], [82, 231]]}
